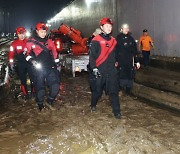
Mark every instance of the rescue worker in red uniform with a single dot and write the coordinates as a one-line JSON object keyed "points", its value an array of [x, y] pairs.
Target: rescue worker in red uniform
{"points": [[102, 63], [41, 53], [17, 53]]}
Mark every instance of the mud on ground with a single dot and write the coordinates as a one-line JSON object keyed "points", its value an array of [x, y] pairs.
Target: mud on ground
{"points": [[73, 129]]}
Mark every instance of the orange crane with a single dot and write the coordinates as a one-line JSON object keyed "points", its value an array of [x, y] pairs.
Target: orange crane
{"points": [[78, 45]]}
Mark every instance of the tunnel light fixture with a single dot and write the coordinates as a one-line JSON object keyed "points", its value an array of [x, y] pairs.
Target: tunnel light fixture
{"points": [[75, 10], [48, 25], [28, 34], [89, 2]]}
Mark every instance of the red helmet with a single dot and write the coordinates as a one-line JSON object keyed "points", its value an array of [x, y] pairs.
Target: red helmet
{"points": [[42, 26], [106, 20], [20, 30]]}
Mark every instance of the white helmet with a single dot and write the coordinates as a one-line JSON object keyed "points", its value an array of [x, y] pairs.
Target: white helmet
{"points": [[124, 26]]}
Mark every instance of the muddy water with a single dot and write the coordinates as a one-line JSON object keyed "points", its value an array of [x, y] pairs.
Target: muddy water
{"points": [[73, 129]]}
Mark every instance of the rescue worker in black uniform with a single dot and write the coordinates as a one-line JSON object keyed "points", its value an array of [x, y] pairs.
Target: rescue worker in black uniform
{"points": [[102, 64], [127, 57], [91, 78], [42, 54]]}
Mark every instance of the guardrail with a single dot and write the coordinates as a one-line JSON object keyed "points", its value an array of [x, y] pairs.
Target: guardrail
{"points": [[4, 69], [4, 41], [5, 78]]}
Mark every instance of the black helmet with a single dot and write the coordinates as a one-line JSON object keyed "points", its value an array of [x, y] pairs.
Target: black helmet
{"points": [[145, 30]]}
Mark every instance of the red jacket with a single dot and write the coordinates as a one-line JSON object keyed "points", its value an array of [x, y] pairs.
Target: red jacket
{"points": [[36, 52], [37, 49], [17, 50]]}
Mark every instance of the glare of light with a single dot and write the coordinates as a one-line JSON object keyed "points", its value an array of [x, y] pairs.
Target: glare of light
{"points": [[11, 60], [58, 46], [77, 69], [89, 2], [38, 66], [28, 34], [136, 41]]}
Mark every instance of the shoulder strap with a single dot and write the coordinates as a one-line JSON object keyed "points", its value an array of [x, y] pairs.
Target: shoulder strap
{"points": [[39, 44]]}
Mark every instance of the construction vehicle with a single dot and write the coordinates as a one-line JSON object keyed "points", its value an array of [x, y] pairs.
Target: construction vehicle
{"points": [[72, 48]]}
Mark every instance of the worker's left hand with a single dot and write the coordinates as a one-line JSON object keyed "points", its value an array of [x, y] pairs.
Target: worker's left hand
{"points": [[96, 73], [138, 65], [58, 64]]}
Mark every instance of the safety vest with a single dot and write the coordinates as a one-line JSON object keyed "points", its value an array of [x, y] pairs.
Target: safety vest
{"points": [[106, 48]]}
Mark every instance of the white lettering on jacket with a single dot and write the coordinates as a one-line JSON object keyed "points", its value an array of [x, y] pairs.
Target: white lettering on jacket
{"points": [[19, 47]]}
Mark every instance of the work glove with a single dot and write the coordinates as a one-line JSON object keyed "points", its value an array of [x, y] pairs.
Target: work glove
{"points": [[137, 65], [11, 66], [96, 73], [58, 64], [11, 69]]}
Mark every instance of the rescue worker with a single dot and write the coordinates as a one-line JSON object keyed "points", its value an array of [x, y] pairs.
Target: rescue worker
{"points": [[102, 64], [96, 32], [41, 53], [91, 76], [145, 43], [127, 57], [17, 53]]}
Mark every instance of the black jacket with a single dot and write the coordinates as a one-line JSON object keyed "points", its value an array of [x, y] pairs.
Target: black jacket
{"points": [[126, 49], [107, 66]]}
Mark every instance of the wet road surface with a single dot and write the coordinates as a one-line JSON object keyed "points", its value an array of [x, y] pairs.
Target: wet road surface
{"points": [[73, 129]]}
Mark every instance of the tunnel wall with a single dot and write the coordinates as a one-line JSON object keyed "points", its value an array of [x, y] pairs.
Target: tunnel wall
{"points": [[160, 17]]}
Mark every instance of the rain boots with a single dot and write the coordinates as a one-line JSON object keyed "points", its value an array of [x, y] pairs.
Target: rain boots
{"points": [[24, 91], [32, 92], [40, 105]]}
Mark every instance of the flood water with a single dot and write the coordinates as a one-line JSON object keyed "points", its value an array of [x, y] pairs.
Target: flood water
{"points": [[73, 129]]}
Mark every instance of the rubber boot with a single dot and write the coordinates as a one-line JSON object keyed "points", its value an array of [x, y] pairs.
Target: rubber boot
{"points": [[128, 89], [117, 116], [50, 103], [50, 100], [32, 92], [40, 105], [24, 91]]}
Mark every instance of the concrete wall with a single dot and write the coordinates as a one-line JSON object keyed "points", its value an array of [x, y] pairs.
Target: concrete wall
{"points": [[160, 17]]}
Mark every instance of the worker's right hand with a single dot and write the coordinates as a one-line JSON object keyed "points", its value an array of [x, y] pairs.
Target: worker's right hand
{"points": [[96, 72], [11, 65], [11, 68]]}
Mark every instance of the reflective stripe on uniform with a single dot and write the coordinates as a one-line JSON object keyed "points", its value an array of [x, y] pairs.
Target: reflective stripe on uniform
{"points": [[11, 60], [28, 57], [11, 49]]}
